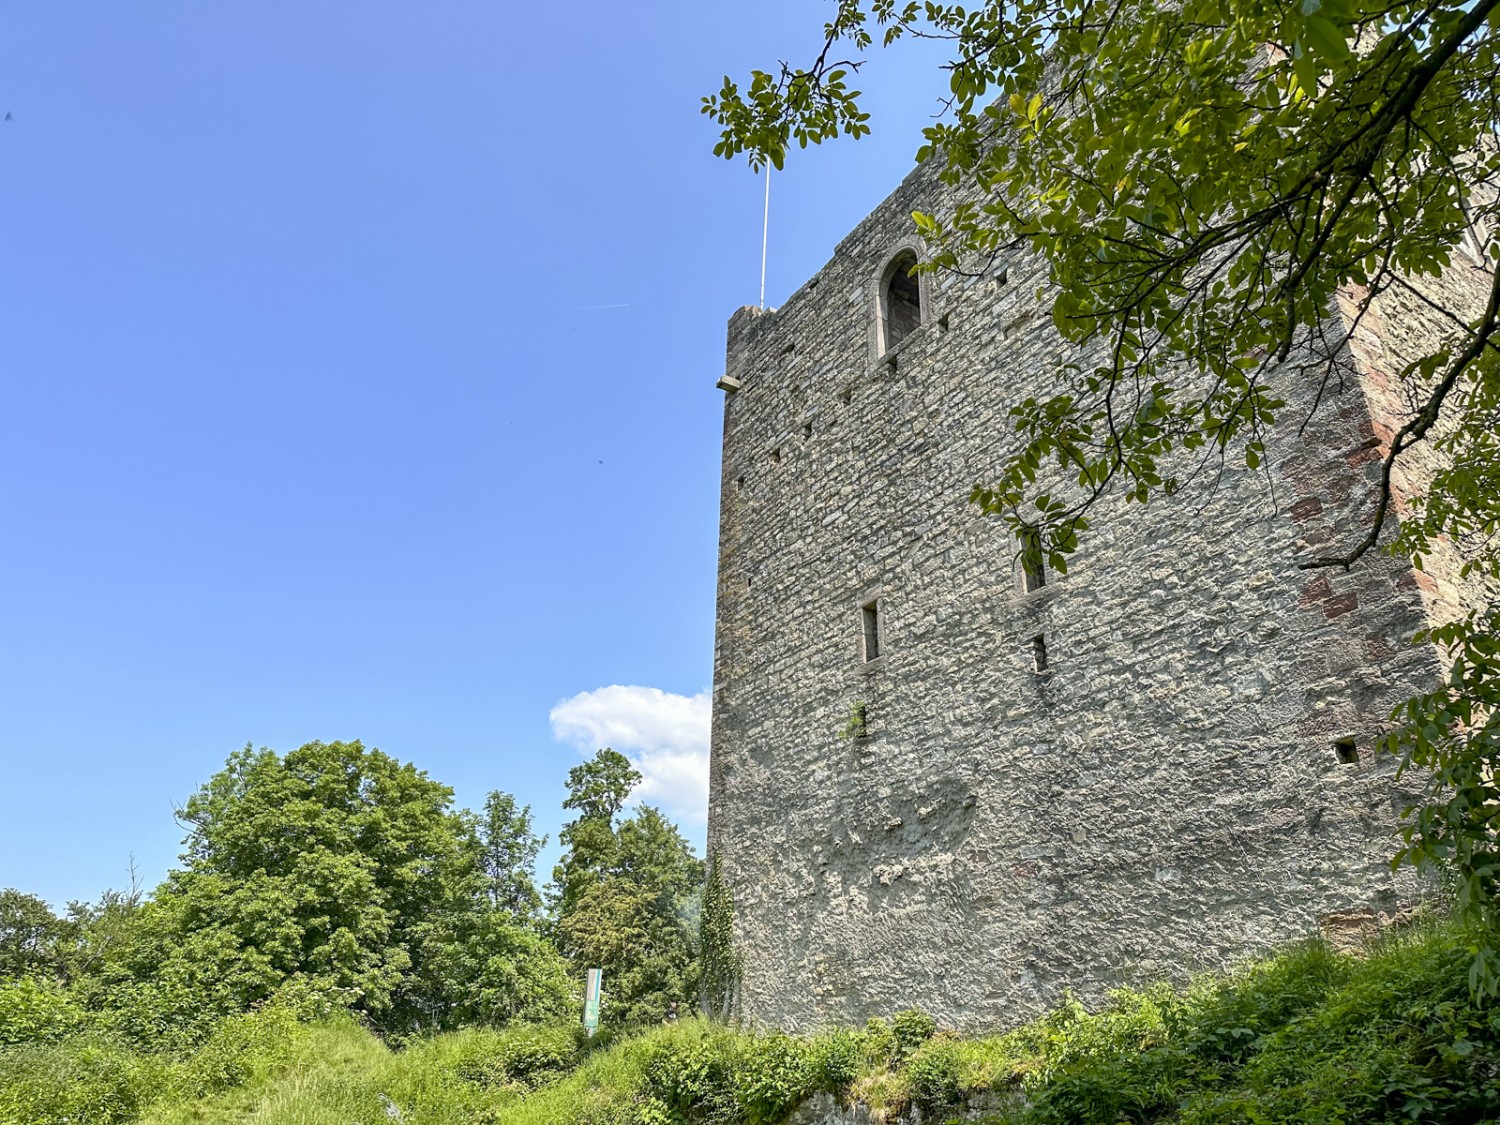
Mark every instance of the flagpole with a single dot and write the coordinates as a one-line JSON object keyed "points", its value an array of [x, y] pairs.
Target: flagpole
{"points": [[764, 229]]}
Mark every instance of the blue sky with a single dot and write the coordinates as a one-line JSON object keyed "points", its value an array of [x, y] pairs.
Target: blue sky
{"points": [[356, 381]]}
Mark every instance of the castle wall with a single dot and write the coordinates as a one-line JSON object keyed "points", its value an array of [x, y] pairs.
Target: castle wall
{"points": [[1164, 797], [1401, 326]]}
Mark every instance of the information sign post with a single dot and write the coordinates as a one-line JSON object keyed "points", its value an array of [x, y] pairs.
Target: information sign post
{"points": [[592, 988]]}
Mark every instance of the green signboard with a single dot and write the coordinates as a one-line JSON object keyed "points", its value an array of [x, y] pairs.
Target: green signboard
{"points": [[592, 989]]}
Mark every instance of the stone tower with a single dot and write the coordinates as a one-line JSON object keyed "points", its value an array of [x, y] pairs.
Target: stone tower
{"points": [[938, 781]]}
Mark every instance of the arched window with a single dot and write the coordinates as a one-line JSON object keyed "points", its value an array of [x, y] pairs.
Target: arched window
{"points": [[900, 301]]}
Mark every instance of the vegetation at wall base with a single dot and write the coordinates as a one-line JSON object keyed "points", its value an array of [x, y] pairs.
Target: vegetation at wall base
{"points": [[1308, 1035]]}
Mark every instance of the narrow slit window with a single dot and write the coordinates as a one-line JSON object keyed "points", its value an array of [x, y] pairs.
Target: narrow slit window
{"points": [[869, 618], [1039, 653], [1033, 574], [900, 300], [1345, 750]]}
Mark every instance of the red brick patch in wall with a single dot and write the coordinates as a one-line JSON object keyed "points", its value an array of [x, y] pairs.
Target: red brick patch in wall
{"points": [[1306, 508], [1337, 607]]}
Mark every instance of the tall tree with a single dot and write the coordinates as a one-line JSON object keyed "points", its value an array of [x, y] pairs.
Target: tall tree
{"points": [[1206, 182], [33, 940], [509, 849], [626, 895], [597, 791], [321, 864], [482, 959]]}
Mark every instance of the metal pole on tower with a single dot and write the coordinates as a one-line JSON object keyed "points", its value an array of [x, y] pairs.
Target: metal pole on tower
{"points": [[764, 230]]}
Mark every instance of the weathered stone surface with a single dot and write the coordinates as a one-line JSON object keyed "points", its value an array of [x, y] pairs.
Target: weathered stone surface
{"points": [[1164, 797]]}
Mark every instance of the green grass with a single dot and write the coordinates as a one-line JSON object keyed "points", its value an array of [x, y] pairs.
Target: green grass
{"points": [[1309, 1035]]}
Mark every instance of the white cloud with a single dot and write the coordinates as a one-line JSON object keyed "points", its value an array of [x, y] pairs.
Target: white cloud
{"points": [[665, 736]]}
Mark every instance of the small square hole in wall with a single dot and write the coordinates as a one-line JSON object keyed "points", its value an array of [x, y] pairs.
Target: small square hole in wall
{"points": [[1039, 653], [739, 484], [1002, 277], [1346, 751], [776, 455], [943, 322], [847, 396], [807, 429]]}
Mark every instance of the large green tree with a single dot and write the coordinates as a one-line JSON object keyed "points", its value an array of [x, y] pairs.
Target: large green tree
{"points": [[626, 894], [342, 869], [508, 851], [1204, 182], [483, 958], [33, 940]]}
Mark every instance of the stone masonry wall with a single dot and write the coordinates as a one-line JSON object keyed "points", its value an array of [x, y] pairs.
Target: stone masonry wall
{"points": [[1165, 797]]}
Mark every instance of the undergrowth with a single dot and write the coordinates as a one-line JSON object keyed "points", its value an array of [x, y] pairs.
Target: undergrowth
{"points": [[1308, 1035]]}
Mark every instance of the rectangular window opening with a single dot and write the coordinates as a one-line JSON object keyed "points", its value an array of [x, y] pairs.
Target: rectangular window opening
{"points": [[869, 616], [1033, 574], [1039, 653], [1346, 751]]}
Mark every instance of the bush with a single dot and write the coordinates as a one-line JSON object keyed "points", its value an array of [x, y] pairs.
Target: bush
{"points": [[934, 1075], [239, 1049], [691, 1079], [34, 1011], [522, 1057], [880, 1043], [87, 1081], [838, 1059], [910, 1030], [775, 1072]]}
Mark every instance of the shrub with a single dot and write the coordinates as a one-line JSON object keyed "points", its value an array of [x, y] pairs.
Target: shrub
{"points": [[838, 1058], [239, 1049], [1229, 1017], [36, 1011], [880, 1043], [911, 1029], [523, 1057], [692, 1079], [934, 1075], [88, 1079], [774, 1073]]}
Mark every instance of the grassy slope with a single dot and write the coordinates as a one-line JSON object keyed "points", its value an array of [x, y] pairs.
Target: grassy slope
{"points": [[1306, 1036]]}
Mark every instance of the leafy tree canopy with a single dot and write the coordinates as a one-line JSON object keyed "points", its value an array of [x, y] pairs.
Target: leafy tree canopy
{"points": [[626, 896], [347, 871], [1221, 193], [33, 940], [508, 856]]}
